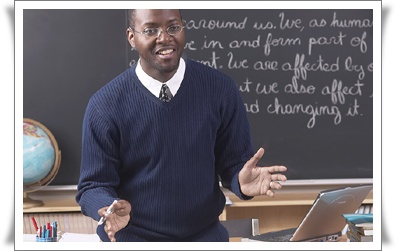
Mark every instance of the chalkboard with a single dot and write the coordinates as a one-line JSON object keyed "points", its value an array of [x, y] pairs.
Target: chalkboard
{"points": [[306, 77], [67, 56]]}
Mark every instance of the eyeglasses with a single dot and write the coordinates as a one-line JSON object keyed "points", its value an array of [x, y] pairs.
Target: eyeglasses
{"points": [[172, 30]]}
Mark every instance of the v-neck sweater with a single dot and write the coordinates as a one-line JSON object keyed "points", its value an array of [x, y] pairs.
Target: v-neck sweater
{"points": [[165, 158]]}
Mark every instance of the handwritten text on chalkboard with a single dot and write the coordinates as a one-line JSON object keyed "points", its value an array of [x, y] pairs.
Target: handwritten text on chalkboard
{"points": [[252, 52], [266, 39]]}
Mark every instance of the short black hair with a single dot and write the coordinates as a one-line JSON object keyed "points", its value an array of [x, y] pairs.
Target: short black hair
{"points": [[131, 17]]}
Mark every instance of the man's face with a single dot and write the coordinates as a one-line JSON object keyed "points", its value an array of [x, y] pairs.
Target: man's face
{"points": [[159, 55]]}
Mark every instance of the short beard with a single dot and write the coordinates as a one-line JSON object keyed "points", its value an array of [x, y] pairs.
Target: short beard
{"points": [[165, 68]]}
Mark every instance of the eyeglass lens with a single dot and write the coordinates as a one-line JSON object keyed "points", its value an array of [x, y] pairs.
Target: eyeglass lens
{"points": [[172, 30]]}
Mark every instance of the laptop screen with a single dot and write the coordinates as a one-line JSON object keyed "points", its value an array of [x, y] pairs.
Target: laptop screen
{"points": [[325, 216]]}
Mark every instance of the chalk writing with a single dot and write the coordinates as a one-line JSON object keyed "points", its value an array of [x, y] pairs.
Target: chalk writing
{"points": [[289, 64]]}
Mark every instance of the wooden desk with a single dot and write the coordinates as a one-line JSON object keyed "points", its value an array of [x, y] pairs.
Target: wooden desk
{"points": [[286, 210]]}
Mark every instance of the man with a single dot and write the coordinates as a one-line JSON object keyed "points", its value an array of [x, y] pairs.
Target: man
{"points": [[159, 152]]}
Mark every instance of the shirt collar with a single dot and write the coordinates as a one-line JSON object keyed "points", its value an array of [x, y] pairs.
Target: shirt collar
{"points": [[154, 86]]}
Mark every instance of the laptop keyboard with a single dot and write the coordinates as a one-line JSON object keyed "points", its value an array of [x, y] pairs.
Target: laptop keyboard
{"points": [[276, 236], [281, 238]]}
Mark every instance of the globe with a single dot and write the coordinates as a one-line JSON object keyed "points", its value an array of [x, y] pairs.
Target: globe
{"points": [[41, 159]]}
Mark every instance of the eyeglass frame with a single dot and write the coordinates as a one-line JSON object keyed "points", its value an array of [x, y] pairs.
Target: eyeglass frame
{"points": [[160, 31]]}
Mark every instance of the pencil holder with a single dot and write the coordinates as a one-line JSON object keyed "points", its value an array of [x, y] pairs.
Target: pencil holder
{"points": [[49, 239]]}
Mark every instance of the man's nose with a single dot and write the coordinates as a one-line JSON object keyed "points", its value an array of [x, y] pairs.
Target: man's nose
{"points": [[162, 35]]}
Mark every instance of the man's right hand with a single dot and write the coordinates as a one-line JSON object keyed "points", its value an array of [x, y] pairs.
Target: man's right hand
{"points": [[117, 220]]}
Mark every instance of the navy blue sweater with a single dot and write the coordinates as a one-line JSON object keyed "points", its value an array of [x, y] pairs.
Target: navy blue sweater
{"points": [[164, 158]]}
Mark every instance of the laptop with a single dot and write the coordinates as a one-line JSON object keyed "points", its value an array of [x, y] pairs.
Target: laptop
{"points": [[324, 221]]}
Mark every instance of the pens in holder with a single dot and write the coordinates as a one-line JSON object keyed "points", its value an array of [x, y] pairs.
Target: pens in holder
{"points": [[109, 210], [46, 232]]}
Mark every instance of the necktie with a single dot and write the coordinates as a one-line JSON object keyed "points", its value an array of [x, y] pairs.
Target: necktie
{"points": [[165, 94]]}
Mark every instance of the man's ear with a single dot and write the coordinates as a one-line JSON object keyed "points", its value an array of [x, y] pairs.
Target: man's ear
{"points": [[131, 37]]}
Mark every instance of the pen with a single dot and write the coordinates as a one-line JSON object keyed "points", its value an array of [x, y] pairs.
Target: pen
{"points": [[109, 210], [54, 229], [49, 229], [35, 224]]}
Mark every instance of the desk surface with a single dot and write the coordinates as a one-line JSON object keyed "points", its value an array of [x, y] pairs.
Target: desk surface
{"points": [[74, 237], [343, 238], [67, 237]]}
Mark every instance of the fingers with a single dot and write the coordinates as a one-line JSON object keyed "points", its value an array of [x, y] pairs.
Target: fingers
{"points": [[122, 208], [256, 158], [116, 220], [110, 233], [111, 227], [278, 177], [270, 193], [274, 169], [275, 185]]}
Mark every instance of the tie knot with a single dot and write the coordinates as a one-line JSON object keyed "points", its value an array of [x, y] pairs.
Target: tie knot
{"points": [[165, 93]]}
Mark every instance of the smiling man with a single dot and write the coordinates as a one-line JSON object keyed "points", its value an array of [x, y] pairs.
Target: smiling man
{"points": [[158, 137], [159, 48]]}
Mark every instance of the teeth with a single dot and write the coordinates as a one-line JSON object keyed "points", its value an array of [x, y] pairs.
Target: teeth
{"points": [[165, 52]]}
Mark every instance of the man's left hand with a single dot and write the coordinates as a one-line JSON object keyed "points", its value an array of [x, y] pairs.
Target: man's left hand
{"points": [[255, 180]]}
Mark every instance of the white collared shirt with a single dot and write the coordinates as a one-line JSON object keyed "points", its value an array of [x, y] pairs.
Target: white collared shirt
{"points": [[154, 86]]}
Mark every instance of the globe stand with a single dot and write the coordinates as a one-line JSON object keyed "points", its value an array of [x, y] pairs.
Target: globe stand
{"points": [[29, 202]]}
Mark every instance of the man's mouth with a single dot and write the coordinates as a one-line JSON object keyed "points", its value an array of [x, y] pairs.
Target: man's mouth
{"points": [[165, 52]]}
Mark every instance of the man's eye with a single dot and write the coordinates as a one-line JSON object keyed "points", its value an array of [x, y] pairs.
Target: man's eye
{"points": [[174, 28], [150, 31]]}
